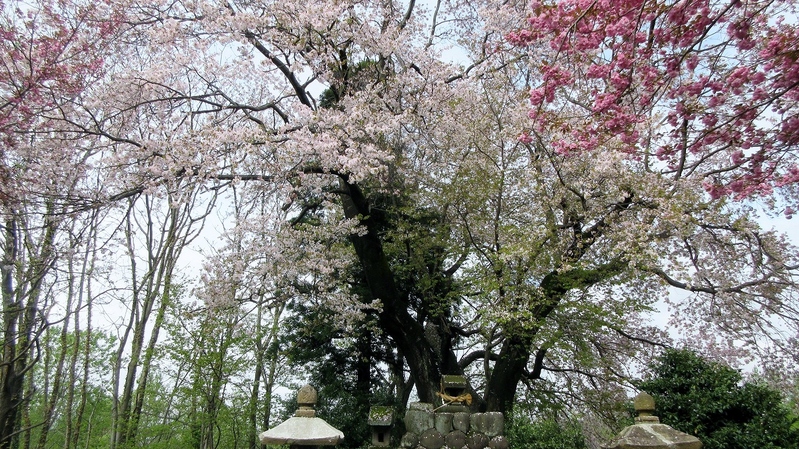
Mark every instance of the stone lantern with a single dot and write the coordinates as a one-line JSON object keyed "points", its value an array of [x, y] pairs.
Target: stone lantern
{"points": [[303, 430], [649, 433], [381, 419]]}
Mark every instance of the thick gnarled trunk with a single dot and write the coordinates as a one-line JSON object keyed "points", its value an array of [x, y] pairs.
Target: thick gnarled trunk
{"points": [[429, 356], [427, 360]]}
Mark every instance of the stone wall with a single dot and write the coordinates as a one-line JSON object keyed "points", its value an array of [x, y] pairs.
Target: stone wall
{"points": [[429, 429]]}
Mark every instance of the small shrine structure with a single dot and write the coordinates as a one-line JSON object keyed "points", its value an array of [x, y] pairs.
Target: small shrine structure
{"points": [[381, 420]]}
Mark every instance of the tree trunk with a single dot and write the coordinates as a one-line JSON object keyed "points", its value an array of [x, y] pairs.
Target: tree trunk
{"points": [[428, 351], [269, 384], [252, 406], [512, 362], [265, 339], [395, 320], [163, 247], [20, 304], [132, 428], [11, 386], [55, 393], [74, 437]]}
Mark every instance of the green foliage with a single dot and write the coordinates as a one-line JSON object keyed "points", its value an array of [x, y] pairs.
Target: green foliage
{"points": [[710, 401], [93, 429], [349, 78], [342, 367], [417, 244], [544, 434], [207, 407]]}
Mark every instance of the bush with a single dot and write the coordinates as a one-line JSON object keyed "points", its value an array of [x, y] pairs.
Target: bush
{"points": [[544, 434]]}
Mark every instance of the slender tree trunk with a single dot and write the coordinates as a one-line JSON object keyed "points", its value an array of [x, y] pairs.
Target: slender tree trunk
{"points": [[72, 381], [11, 388], [27, 425], [48, 414], [128, 390], [140, 314], [252, 405], [73, 420], [141, 387], [213, 392], [82, 348], [271, 375], [73, 438], [74, 294], [262, 343], [20, 306], [121, 399], [155, 287], [164, 238]]}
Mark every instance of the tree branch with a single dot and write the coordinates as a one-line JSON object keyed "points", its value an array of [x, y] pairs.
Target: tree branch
{"points": [[302, 95]]}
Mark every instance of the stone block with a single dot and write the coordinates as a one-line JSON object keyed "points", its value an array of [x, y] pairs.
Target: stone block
{"points": [[455, 439], [419, 418], [498, 442], [421, 406], [443, 423], [494, 424], [478, 422], [409, 440], [431, 439], [454, 408], [477, 441], [460, 421]]}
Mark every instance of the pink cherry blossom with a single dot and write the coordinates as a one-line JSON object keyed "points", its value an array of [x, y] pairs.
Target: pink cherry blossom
{"points": [[719, 72]]}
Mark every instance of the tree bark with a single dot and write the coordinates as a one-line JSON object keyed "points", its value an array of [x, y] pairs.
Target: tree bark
{"points": [[12, 382], [395, 319], [20, 304]]}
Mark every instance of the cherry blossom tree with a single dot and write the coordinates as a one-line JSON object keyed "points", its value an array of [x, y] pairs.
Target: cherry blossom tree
{"points": [[400, 193], [512, 260], [702, 95], [237, 108], [51, 52], [707, 90]]}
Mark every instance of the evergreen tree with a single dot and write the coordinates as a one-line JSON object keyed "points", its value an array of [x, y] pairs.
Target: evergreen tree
{"points": [[711, 401]]}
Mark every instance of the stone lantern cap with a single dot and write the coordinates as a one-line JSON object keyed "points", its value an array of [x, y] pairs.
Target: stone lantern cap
{"points": [[304, 428], [649, 433]]}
